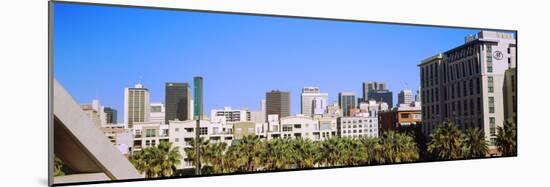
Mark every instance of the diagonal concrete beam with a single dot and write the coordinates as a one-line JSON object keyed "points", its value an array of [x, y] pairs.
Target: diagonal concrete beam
{"points": [[81, 144]]}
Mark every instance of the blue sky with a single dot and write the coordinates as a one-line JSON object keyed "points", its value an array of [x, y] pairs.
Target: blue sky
{"points": [[100, 50]]}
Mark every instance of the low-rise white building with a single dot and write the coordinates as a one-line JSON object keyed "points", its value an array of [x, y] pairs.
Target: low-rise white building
{"points": [[357, 127]]}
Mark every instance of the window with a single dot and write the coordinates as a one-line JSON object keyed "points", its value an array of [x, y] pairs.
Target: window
{"points": [[287, 128], [177, 140], [203, 131], [491, 105], [489, 64], [177, 129], [492, 128], [490, 84], [150, 132]]}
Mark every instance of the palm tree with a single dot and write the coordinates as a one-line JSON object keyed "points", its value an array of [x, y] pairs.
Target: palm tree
{"points": [[373, 149], [147, 162], [446, 142], [277, 154], [190, 150], [160, 161], [506, 140], [353, 152], [330, 152], [398, 147], [304, 152], [170, 158], [248, 151], [475, 144], [231, 157], [214, 156]]}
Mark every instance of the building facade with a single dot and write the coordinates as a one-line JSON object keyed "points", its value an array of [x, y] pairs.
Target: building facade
{"points": [[357, 127], [177, 99], [278, 102], [464, 85], [110, 115], [136, 105], [403, 117], [377, 91], [405, 97], [510, 95], [157, 114], [313, 101], [230, 115], [346, 101]]}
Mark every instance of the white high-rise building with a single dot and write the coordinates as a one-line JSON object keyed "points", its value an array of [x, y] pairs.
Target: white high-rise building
{"points": [[136, 105], [405, 97], [313, 101], [157, 113], [464, 85]]}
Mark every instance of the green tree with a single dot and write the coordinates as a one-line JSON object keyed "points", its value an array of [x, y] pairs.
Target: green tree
{"points": [[248, 153], [373, 149], [353, 152], [59, 168], [446, 142], [475, 144], [304, 152], [330, 151], [159, 161], [214, 156], [398, 147], [506, 140], [190, 151], [277, 154]]}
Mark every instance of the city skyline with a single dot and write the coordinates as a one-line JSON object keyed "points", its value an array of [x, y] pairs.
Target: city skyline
{"points": [[164, 49]]}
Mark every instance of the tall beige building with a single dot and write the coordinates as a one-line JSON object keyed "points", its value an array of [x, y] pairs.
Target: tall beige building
{"points": [[465, 84], [136, 105]]}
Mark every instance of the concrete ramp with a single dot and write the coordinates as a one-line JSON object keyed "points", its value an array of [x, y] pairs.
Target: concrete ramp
{"points": [[82, 146]]}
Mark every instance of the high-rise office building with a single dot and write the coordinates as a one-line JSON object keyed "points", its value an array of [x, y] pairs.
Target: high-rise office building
{"points": [[310, 97], [177, 98], [136, 105], [110, 115], [346, 100], [377, 91], [198, 100], [418, 96], [465, 84], [405, 97], [369, 86], [278, 102]]}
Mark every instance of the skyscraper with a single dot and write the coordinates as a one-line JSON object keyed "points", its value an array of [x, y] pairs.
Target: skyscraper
{"points": [[136, 105], [418, 96], [405, 97], [311, 95], [177, 98], [464, 85], [369, 86], [198, 100], [110, 115], [377, 91], [346, 100], [278, 102]]}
